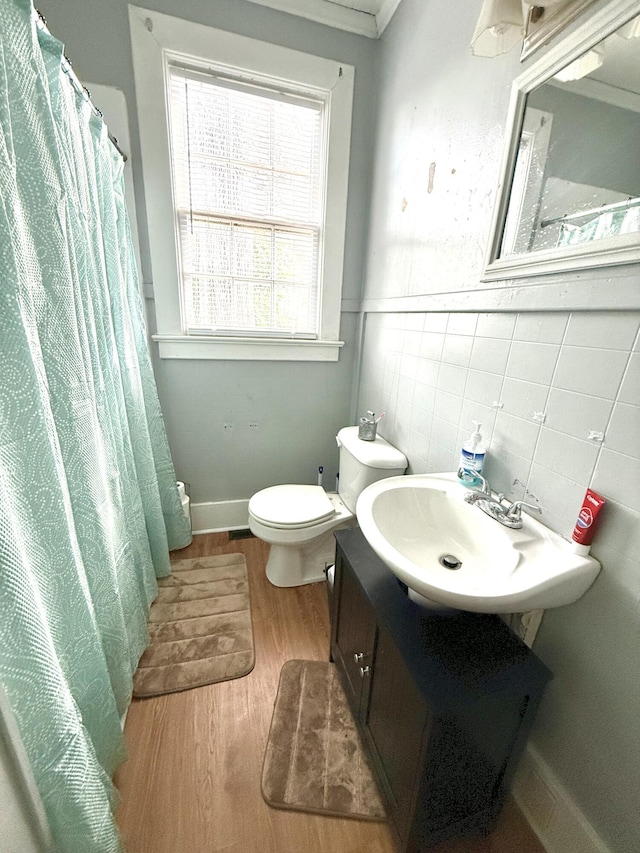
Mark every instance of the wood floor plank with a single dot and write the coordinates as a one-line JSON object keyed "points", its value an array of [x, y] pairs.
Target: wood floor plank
{"points": [[191, 783]]}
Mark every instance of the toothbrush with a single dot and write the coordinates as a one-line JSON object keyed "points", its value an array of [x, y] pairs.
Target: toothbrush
{"points": [[379, 418]]}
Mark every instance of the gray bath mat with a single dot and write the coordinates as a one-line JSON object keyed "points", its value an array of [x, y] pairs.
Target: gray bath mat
{"points": [[200, 627], [314, 761]]}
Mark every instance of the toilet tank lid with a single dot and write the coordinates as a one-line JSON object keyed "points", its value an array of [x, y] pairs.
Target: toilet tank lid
{"points": [[373, 454]]}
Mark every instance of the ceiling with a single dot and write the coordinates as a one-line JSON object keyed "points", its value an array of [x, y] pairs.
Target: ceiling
{"points": [[364, 17], [621, 67]]}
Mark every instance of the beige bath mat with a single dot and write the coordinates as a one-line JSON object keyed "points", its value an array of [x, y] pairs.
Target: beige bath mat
{"points": [[200, 627], [314, 761]]}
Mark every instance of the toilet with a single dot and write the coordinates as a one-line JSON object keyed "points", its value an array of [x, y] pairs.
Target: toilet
{"points": [[299, 521]]}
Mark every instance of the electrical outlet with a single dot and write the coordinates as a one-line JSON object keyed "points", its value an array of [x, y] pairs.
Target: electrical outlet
{"points": [[228, 427], [253, 426]]}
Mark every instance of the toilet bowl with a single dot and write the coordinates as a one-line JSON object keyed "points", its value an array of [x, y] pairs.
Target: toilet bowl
{"points": [[299, 521]]}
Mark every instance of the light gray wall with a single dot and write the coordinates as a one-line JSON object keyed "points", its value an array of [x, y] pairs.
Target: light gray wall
{"points": [[608, 138], [298, 406], [298, 410], [435, 372]]}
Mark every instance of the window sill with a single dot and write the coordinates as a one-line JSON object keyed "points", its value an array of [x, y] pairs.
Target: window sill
{"points": [[246, 349]]}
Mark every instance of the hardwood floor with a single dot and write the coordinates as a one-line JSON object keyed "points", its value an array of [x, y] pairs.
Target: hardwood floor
{"points": [[192, 780]]}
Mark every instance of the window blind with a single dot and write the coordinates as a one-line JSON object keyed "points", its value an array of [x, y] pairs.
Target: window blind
{"points": [[248, 173]]}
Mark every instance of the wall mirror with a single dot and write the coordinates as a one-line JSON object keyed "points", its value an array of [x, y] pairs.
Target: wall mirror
{"points": [[569, 194]]}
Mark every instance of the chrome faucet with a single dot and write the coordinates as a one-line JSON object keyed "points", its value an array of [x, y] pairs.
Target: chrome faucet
{"points": [[484, 493], [509, 515]]}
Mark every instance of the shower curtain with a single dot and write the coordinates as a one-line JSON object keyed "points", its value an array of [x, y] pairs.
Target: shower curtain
{"points": [[606, 224], [88, 501]]}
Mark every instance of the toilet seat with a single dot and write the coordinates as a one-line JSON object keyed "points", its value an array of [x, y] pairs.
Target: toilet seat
{"points": [[291, 507]]}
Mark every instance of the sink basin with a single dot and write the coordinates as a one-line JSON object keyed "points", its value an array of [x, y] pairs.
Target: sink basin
{"points": [[453, 555]]}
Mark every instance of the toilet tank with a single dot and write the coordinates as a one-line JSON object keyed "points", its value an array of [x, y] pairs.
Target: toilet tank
{"points": [[365, 462]]}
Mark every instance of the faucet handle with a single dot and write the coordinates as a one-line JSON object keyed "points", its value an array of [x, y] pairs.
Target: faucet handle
{"points": [[515, 510]]}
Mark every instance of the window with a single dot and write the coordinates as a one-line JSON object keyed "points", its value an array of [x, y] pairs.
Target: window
{"points": [[248, 164], [245, 158]]}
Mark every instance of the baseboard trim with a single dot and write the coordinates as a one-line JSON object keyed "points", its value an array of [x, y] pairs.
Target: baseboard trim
{"points": [[218, 516], [551, 812]]}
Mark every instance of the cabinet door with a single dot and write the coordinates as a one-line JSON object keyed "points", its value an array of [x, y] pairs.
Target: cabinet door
{"points": [[396, 727], [354, 635]]}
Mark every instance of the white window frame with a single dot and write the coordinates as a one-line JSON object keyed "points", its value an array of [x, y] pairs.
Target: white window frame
{"points": [[157, 38]]}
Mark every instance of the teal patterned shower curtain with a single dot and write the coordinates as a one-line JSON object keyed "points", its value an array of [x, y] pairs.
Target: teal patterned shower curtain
{"points": [[88, 501]]}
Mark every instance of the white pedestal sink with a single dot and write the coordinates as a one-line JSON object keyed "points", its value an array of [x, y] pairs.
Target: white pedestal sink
{"points": [[454, 555]]}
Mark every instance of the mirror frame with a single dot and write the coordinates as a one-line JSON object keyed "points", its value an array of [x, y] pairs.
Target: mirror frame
{"points": [[554, 19], [622, 249]]}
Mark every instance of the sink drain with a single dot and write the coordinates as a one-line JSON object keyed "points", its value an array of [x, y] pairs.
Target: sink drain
{"points": [[450, 562]]}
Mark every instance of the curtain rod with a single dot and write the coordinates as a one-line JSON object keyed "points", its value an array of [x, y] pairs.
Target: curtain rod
{"points": [[67, 67], [604, 208]]}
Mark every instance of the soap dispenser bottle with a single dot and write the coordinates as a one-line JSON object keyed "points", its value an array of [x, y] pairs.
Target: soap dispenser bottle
{"points": [[472, 458]]}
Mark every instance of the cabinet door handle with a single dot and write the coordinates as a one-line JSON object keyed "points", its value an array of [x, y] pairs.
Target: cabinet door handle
{"points": [[363, 671], [358, 656]]}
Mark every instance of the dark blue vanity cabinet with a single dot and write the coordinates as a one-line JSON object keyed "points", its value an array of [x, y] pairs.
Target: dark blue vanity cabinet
{"points": [[444, 699]]}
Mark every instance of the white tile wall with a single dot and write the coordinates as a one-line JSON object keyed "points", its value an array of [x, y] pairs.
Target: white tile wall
{"points": [[435, 322], [453, 379], [596, 372], [490, 354], [532, 361], [515, 435], [462, 324], [457, 349], [543, 328], [431, 344], [577, 414], [483, 387], [566, 455], [558, 395], [595, 330], [630, 390], [619, 474], [497, 326], [624, 428], [523, 398]]}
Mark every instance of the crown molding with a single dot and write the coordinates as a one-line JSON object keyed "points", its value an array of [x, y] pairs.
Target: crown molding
{"points": [[338, 14]]}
